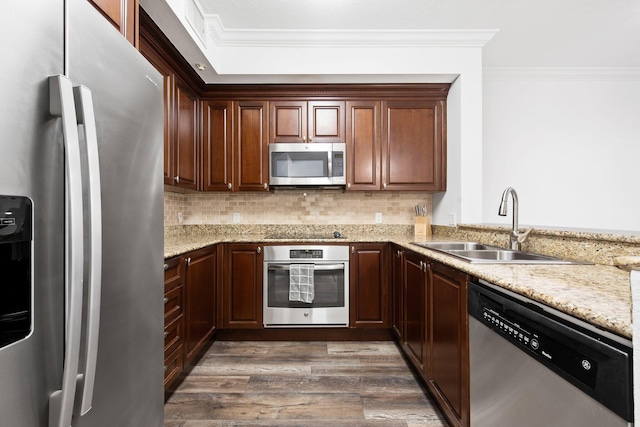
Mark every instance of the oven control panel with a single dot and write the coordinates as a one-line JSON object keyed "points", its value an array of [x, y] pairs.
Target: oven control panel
{"points": [[305, 254]]}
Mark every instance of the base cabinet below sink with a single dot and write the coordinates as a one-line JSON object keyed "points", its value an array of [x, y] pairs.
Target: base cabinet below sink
{"points": [[433, 329]]}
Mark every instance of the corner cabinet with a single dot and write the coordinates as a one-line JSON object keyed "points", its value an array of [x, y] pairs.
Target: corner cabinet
{"points": [[369, 285], [306, 121], [242, 286]]}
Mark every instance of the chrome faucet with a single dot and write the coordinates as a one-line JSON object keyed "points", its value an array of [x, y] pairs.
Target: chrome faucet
{"points": [[515, 238]]}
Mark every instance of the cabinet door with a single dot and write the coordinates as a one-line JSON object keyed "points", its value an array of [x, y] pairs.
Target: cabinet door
{"points": [[288, 121], [413, 147], [397, 291], [217, 145], [369, 285], [415, 306], [448, 373], [242, 292], [251, 149], [163, 67], [363, 145], [186, 134], [326, 121], [122, 14], [200, 290]]}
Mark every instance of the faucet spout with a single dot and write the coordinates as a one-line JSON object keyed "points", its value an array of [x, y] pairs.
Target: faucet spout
{"points": [[515, 238]]}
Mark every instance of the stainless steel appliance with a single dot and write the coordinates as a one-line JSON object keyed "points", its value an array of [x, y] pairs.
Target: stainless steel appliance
{"points": [[330, 305], [82, 130], [314, 164], [531, 365]]}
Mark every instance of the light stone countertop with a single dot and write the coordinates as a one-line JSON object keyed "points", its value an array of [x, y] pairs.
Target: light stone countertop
{"points": [[597, 294]]}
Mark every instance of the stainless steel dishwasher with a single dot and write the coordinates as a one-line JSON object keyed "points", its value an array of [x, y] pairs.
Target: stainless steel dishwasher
{"points": [[531, 365]]}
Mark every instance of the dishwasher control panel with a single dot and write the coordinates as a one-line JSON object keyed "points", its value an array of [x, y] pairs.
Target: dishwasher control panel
{"points": [[520, 331]]}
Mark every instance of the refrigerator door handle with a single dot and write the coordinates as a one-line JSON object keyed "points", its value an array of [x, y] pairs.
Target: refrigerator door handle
{"points": [[61, 104], [86, 118]]}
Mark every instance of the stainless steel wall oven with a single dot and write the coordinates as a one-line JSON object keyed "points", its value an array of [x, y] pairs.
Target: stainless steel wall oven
{"points": [[324, 283]]}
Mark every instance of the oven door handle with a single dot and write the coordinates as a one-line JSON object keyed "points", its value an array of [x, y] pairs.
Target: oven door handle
{"points": [[315, 266]]}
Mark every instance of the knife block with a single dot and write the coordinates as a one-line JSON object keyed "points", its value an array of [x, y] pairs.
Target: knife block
{"points": [[422, 228]]}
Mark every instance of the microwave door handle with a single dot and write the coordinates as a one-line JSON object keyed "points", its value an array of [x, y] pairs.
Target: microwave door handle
{"points": [[315, 266], [330, 165]]}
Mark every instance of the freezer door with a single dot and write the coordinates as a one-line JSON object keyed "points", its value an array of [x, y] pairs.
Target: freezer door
{"points": [[31, 42], [128, 102]]}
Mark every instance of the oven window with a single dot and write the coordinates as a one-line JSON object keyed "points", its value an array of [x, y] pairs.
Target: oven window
{"points": [[328, 285]]}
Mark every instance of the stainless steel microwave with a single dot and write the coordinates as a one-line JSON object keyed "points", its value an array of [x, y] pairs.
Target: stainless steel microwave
{"points": [[314, 164]]}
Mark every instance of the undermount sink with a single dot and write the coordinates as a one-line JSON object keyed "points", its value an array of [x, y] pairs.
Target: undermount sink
{"points": [[455, 246], [479, 253]]}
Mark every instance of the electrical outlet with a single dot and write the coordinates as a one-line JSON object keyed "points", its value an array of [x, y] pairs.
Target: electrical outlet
{"points": [[452, 219], [236, 217], [378, 217], [180, 218]]}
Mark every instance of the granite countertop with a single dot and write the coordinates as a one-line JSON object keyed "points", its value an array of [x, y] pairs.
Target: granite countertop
{"points": [[597, 294]]}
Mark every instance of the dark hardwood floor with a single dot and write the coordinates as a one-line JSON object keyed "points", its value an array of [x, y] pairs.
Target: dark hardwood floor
{"points": [[315, 384]]}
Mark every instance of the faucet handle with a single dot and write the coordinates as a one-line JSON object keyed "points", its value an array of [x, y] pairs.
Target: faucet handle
{"points": [[523, 236]]}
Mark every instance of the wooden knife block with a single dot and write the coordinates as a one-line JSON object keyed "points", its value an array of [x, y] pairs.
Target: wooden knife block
{"points": [[422, 228]]}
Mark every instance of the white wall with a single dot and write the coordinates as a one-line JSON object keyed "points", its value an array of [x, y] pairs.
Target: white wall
{"points": [[568, 141]]}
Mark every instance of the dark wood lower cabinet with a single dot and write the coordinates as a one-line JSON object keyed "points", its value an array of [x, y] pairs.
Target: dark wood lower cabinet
{"points": [[200, 302], [242, 286], [415, 310], [397, 291], [369, 285], [448, 371]]}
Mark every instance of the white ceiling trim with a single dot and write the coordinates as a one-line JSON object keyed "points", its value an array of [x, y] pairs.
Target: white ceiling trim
{"points": [[561, 73], [226, 37]]}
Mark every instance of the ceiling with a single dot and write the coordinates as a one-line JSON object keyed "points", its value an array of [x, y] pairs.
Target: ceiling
{"points": [[532, 34]]}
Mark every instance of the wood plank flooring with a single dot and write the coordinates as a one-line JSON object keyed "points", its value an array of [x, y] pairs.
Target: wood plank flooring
{"points": [[315, 384]]}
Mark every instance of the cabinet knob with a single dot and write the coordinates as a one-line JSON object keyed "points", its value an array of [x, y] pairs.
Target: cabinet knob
{"points": [[348, 186], [384, 185], [189, 261], [176, 179], [353, 249], [310, 139], [166, 267], [166, 300], [166, 333], [265, 186], [304, 139], [259, 249], [229, 186], [421, 265]]}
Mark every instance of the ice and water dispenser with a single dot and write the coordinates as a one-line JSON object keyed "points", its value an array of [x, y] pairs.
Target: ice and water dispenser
{"points": [[15, 268]]}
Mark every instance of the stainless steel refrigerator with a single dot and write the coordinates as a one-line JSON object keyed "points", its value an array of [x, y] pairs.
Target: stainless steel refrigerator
{"points": [[81, 221]]}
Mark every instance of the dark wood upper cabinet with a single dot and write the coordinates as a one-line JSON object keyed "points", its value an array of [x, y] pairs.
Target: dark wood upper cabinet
{"points": [[186, 136], [217, 145], [122, 14], [369, 285], [306, 121], [251, 149], [413, 145], [363, 145]]}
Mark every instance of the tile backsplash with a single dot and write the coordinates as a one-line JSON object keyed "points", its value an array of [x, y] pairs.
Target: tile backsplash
{"points": [[294, 207]]}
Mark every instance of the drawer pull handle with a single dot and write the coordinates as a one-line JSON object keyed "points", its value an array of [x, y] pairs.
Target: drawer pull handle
{"points": [[166, 333], [166, 300], [166, 267]]}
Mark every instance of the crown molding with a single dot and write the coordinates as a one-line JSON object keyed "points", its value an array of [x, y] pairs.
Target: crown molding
{"points": [[560, 73], [234, 37]]}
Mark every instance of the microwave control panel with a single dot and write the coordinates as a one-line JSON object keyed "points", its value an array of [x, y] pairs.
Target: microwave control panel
{"points": [[337, 164]]}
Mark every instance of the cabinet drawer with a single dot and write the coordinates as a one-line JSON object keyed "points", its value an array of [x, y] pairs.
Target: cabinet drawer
{"points": [[173, 304], [173, 335], [173, 273], [173, 365]]}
